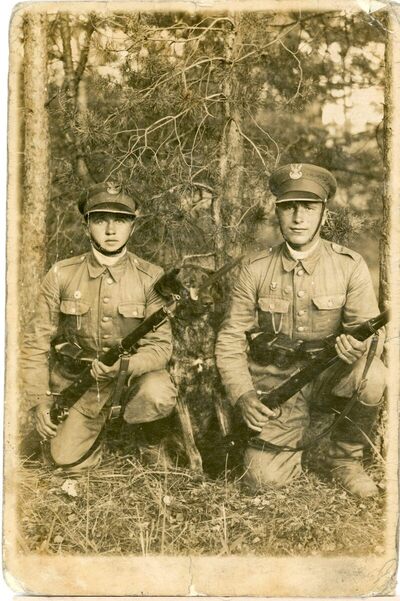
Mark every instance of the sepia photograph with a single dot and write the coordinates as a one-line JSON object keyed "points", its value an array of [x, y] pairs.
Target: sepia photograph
{"points": [[201, 387]]}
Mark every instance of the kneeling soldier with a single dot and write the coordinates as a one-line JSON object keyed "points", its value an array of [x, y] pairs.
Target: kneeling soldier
{"points": [[87, 304], [300, 292]]}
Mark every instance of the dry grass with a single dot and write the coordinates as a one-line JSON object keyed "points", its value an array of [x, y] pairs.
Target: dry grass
{"points": [[124, 508]]}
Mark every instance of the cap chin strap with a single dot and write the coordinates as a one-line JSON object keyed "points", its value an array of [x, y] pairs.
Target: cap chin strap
{"points": [[316, 230], [103, 251]]}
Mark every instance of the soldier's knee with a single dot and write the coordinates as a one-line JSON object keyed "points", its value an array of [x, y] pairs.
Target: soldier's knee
{"points": [[155, 385], [373, 389], [268, 468], [151, 397], [64, 456], [372, 392]]}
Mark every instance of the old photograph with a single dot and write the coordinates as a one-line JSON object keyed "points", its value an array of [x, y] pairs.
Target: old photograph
{"points": [[202, 299]]}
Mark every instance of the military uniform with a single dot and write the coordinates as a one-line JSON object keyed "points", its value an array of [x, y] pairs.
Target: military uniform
{"points": [[94, 306], [326, 293]]}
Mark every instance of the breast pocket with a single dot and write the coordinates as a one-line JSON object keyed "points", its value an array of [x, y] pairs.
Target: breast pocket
{"points": [[75, 315], [131, 314], [273, 314], [327, 313]]}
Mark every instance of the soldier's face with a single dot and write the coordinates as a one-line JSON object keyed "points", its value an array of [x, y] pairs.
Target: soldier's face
{"points": [[299, 222], [111, 231]]}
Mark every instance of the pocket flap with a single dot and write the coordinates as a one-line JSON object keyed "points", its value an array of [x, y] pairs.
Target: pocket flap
{"points": [[329, 301], [273, 305], [131, 309], [74, 307]]}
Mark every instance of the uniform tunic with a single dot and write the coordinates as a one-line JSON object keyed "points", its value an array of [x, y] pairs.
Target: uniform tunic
{"points": [[327, 293], [96, 306]]}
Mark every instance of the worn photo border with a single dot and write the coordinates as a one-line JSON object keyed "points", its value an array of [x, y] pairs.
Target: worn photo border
{"points": [[313, 576]]}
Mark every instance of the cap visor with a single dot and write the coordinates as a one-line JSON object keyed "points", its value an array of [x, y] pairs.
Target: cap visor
{"points": [[110, 208], [299, 199]]}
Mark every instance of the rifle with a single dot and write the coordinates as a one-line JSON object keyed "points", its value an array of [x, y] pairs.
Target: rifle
{"points": [[325, 358], [167, 286], [322, 360]]}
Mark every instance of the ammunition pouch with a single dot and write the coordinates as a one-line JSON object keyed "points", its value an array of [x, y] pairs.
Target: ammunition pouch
{"points": [[71, 358], [279, 349]]}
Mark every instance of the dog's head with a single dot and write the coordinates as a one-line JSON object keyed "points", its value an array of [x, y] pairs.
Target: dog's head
{"points": [[198, 299]]}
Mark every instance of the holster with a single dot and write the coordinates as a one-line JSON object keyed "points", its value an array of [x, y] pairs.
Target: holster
{"points": [[71, 358]]}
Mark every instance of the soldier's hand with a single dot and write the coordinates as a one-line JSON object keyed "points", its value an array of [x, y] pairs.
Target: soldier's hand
{"points": [[44, 425], [102, 372], [254, 413], [349, 349]]}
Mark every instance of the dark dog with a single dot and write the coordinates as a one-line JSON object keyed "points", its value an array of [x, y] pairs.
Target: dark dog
{"points": [[197, 319]]}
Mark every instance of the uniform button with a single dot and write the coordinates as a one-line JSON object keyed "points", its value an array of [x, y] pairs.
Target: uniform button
{"points": [[271, 307], [301, 293], [301, 329], [105, 319], [83, 258], [301, 312], [109, 280], [300, 272], [287, 289], [106, 299], [134, 312]]}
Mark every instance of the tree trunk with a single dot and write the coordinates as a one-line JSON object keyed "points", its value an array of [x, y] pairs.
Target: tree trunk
{"points": [[36, 163], [227, 204], [77, 100], [390, 216]]}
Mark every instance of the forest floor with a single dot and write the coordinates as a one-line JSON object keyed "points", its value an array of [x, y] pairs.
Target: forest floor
{"points": [[124, 508]]}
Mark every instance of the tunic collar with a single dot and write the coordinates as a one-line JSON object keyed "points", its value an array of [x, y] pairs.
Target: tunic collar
{"points": [[96, 269], [308, 263]]}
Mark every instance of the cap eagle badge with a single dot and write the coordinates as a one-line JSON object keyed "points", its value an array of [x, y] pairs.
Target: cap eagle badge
{"points": [[113, 189], [295, 171]]}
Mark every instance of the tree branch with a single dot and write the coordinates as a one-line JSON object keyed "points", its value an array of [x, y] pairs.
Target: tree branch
{"points": [[85, 50], [67, 55]]}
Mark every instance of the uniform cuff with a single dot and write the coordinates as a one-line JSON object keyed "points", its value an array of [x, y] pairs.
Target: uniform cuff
{"points": [[39, 399]]}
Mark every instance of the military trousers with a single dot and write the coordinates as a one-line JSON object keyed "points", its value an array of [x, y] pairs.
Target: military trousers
{"points": [[328, 392], [150, 397]]}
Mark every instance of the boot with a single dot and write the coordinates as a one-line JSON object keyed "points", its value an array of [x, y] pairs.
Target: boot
{"points": [[345, 461]]}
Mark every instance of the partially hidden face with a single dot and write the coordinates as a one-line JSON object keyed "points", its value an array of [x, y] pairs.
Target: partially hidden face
{"points": [[111, 231], [299, 221]]}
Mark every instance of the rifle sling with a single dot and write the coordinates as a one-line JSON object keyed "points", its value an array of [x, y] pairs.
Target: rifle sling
{"points": [[114, 413], [264, 445]]}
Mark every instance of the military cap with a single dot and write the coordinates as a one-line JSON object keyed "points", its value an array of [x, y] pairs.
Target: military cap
{"points": [[302, 182], [107, 197]]}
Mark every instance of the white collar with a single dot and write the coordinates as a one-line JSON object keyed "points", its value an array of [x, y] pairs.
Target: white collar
{"points": [[108, 261], [302, 254]]}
